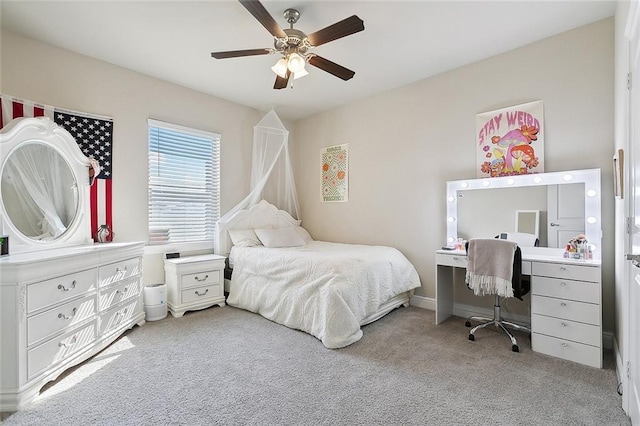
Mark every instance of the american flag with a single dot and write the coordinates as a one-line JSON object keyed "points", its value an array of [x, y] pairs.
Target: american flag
{"points": [[94, 135]]}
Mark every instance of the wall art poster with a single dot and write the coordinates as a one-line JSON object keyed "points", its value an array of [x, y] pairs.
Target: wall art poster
{"points": [[335, 173], [510, 141]]}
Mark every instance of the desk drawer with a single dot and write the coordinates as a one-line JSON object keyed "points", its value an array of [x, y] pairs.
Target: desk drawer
{"points": [[566, 309], [456, 260], [561, 270], [565, 329], [581, 291], [566, 349]]}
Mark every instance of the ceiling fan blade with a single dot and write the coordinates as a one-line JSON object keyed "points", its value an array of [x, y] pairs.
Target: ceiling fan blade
{"points": [[260, 13], [348, 26], [238, 53], [281, 83], [331, 67]]}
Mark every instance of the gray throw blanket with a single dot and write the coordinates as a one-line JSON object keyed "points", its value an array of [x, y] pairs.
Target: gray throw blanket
{"points": [[490, 266]]}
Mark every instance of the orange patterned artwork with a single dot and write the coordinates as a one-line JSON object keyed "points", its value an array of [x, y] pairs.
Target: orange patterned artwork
{"points": [[335, 173], [510, 141]]}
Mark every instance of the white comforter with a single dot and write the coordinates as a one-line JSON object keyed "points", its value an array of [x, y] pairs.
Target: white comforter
{"points": [[325, 289]]}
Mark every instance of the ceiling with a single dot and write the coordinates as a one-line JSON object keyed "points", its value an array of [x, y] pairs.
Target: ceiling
{"points": [[403, 41]]}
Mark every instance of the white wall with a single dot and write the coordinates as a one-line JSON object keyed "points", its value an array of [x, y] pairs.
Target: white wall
{"points": [[43, 73], [405, 144]]}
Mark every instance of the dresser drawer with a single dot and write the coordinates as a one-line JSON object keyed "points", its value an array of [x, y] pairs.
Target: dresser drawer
{"points": [[205, 278], [566, 309], [201, 293], [561, 270], [57, 319], [581, 291], [47, 293], [56, 350], [113, 295], [113, 272], [566, 349], [111, 319], [568, 330]]}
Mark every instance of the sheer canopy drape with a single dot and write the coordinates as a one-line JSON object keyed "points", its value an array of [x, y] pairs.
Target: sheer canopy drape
{"points": [[271, 171]]}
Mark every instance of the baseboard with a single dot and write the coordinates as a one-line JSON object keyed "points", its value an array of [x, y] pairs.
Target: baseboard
{"points": [[465, 311], [423, 302]]}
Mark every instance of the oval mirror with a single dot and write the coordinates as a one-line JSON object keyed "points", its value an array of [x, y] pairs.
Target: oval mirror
{"points": [[39, 191]]}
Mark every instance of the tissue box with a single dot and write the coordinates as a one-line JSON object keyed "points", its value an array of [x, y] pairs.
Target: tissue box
{"points": [[4, 245]]}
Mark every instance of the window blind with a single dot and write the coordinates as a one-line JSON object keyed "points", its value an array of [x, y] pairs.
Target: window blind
{"points": [[184, 183]]}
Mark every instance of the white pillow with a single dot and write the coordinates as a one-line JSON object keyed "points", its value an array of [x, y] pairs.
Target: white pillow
{"points": [[303, 233], [244, 238], [281, 237]]}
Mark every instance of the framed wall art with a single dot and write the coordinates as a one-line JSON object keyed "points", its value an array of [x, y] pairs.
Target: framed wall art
{"points": [[335, 174]]}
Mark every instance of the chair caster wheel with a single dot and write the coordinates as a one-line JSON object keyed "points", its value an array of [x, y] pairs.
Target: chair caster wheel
{"points": [[515, 348], [472, 337], [467, 324]]}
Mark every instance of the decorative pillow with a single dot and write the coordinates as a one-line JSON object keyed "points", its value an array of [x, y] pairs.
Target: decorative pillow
{"points": [[244, 238], [304, 234], [280, 237]]}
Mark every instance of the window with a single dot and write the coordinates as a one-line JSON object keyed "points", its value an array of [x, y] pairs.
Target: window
{"points": [[184, 184]]}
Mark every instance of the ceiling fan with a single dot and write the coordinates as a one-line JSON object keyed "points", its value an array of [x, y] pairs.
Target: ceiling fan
{"points": [[295, 46]]}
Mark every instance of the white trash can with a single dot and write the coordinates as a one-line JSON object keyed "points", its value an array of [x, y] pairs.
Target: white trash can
{"points": [[155, 302]]}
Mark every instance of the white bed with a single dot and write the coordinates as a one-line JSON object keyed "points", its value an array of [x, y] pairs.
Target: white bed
{"points": [[328, 290]]}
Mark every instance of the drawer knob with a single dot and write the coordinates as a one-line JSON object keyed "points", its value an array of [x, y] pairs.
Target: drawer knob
{"points": [[73, 314], [68, 344], [122, 292], [118, 270], [564, 345], [201, 279], [564, 324], [563, 304], [63, 288], [202, 294], [563, 268], [563, 283]]}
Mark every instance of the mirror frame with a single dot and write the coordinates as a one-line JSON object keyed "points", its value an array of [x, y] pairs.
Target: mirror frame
{"points": [[43, 130], [592, 198]]}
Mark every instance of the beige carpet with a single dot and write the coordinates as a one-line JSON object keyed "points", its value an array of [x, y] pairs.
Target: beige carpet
{"points": [[228, 366]]}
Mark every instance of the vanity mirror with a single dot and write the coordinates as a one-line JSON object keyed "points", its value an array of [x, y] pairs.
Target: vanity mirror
{"points": [[526, 192], [44, 181]]}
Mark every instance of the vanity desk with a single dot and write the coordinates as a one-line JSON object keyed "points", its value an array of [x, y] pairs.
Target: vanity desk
{"points": [[566, 301], [566, 294]]}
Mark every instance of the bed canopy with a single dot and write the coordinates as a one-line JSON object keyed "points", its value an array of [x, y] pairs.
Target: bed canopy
{"points": [[271, 172]]}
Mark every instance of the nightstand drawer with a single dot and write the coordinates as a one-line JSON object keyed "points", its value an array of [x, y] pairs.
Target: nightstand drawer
{"points": [[566, 309], [205, 278], [456, 260], [201, 293]]}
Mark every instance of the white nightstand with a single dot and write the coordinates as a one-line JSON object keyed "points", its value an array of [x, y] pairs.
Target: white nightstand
{"points": [[194, 282]]}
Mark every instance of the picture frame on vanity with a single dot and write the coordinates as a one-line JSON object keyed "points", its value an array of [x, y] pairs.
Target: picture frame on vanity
{"points": [[618, 174]]}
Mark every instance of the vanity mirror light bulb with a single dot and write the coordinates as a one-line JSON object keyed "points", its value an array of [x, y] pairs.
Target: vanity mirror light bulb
{"points": [[537, 179], [451, 199], [511, 181], [450, 239], [451, 219], [486, 183], [567, 177], [591, 193], [464, 184], [591, 220]]}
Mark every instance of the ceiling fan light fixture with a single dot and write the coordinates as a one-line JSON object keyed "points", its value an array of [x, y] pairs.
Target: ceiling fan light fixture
{"points": [[297, 75], [295, 63], [280, 68]]}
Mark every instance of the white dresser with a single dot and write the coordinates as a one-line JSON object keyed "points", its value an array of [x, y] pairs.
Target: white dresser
{"points": [[60, 307], [194, 282], [566, 302]]}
